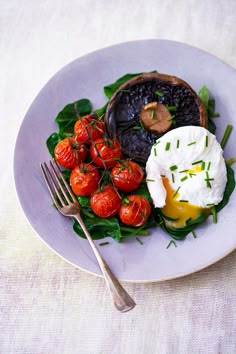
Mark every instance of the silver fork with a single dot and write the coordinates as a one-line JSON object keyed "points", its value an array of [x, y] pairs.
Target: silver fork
{"points": [[68, 205]]}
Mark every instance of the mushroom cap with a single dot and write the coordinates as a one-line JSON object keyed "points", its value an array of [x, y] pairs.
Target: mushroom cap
{"points": [[122, 117]]}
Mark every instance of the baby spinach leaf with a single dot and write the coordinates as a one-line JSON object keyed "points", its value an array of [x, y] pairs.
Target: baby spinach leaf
{"points": [[67, 117], [100, 228], [52, 141], [203, 94], [110, 89], [230, 185]]}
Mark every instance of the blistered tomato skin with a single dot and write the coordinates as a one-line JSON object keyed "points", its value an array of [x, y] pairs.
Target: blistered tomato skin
{"points": [[88, 128], [68, 153], [127, 175], [105, 152], [136, 211], [105, 203], [84, 179]]}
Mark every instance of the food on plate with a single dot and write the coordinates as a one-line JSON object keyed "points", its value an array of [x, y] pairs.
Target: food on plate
{"points": [[127, 175], [106, 202], [186, 175], [68, 153], [88, 128], [127, 111], [105, 152], [153, 118], [135, 210], [84, 179]]}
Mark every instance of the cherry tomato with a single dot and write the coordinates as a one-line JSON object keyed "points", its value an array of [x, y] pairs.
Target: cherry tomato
{"points": [[104, 152], [105, 203], [68, 153], [88, 128], [135, 211], [127, 175], [84, 179]]}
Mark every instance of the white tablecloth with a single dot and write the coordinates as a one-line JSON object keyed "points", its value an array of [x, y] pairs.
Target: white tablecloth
{"points": [[46, 305]]}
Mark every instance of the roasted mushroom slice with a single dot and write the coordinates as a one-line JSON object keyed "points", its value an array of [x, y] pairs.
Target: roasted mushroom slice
{"points": [[146, 107]]}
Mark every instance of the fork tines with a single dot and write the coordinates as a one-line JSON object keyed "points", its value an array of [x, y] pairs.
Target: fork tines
{"points": [[58, 187]]}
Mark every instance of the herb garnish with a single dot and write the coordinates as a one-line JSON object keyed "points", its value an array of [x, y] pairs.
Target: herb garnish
{"points": [[159, 93], [226, 135], [177, 145], [104, 243], [139, 241], [214, 215], [194, 142], [196, 162], [170, 243], [184, 178], [174, 167], [167, 148], [176, 191]]}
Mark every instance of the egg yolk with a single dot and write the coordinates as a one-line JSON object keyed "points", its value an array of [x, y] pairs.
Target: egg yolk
{"points": [[180, 211]]}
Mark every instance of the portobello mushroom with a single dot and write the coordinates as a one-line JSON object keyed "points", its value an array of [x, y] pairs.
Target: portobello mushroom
{"points": [[146, 107]]}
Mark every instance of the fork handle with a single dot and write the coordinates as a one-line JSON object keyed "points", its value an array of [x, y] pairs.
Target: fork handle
{"points": [[121, 299]]}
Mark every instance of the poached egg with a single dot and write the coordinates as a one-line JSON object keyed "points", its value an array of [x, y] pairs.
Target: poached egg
{"points": [[186, 174]]}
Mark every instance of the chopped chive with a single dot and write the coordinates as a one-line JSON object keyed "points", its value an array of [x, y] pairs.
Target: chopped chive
{"points": [[188, 221], [173, 177], [150, 180], [152, 112], [183, 171], [184, 178], [176, 191], [194, 235], [104, 243], [170, 243], [192, 174], [171, 108], [214, 215], [139, 241], [177, 144], [196, 162], [159, 93], [230, 161], [183, 201], [174, 167], [162, 175], [171, 118], [194, 142], [206, 141], [226, 135], [203, 165], [124, 90], [209, 165], [137, 128], [156, 143], [167, 148], [155, 151], [210, 204]]}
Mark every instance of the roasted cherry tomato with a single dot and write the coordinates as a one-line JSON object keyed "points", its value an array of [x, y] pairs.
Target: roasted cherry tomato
{"points": [[84, 179], [127, 175], [105, 152], [105, 203], [68, 153], [88, 129], [135, 211]]}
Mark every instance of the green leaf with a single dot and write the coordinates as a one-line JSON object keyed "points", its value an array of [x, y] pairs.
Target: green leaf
{"points": [[230, 185], [52, 141], [181, 232], [203, 94], [100, 228], [67, 117], [101, 111], [110, 89]]}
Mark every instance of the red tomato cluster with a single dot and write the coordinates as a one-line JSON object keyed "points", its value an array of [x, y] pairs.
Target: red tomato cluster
{"points": [[85, 177]]}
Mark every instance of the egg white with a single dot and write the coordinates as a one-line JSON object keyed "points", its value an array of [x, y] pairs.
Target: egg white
{"points": [[179, 150]]}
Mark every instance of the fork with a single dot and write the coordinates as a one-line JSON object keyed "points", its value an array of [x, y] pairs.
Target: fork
{"points": [[68, 205]]}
